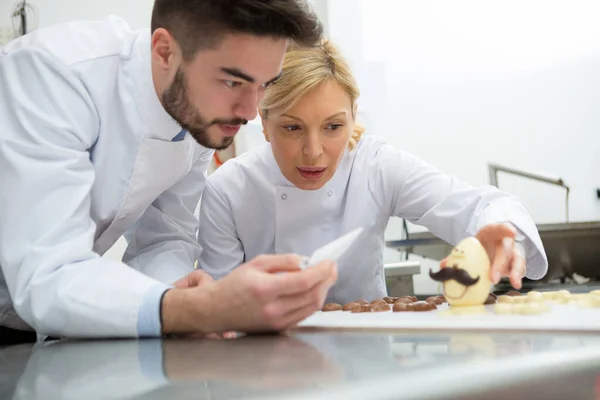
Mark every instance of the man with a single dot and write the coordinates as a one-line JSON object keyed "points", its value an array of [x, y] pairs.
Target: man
{"points": [[106, 131]]}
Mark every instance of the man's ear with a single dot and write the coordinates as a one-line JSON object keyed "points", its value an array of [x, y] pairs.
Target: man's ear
{"points": [[263, 121], [165, 49]]}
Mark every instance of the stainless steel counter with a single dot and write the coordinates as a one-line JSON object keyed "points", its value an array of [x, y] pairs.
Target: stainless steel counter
{"points": [[308, 366]]}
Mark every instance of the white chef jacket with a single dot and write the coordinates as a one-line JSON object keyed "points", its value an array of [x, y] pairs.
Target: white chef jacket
{"points": [[249, 208], [87, 153]]}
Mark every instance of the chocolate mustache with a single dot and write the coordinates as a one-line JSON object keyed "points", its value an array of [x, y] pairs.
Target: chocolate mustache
{"points": [[459, 275]]}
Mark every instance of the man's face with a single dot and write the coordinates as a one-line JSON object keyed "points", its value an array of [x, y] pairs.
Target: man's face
{"points": [[219, 89]]}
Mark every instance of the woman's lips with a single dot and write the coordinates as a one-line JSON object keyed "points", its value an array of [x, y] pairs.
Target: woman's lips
{"points": [[311, 173]]}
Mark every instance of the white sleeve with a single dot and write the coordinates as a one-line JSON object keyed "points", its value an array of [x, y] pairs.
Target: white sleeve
{"points": [[222, 250], [451, 209], [162, 244], [58, 285]]}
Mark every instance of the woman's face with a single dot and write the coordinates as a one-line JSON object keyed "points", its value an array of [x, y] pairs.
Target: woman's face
{"points": [[309, 140]]}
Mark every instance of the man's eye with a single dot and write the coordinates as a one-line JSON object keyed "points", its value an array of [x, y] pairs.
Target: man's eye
{"points": [[232, 84], [268, 84]]}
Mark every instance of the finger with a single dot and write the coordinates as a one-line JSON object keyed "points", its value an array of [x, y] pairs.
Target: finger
{"points": [[285, 305], [213, 336], [502, 260], [517, 271], [304, 281], [293, 318], [196, 278], [277, 262]]}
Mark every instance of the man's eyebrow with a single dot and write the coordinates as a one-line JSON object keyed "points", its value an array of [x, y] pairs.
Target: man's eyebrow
{"points": [[238, 74], [235, 72]]}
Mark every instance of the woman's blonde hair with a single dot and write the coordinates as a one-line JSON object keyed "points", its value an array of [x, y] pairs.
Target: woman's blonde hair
{"points": [[305, 68]]}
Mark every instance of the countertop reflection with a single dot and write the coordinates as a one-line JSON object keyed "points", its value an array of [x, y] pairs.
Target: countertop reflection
{"points": [[298, 365]]}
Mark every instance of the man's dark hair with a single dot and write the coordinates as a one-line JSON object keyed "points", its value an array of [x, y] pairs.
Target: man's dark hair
{"points": [[201, 24]]}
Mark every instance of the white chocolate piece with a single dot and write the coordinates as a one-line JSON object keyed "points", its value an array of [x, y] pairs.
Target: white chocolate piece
{"points": [[563, 297], [578, 296], [521, 308], [534, 297], [549, 295], [518, 308], [519, 299], [591, 301], [503, 308], [470, 256], [506, 299], [595, 292]]}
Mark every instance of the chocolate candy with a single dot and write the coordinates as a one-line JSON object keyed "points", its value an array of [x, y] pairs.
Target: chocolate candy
{"points": [[434, 300], [380, 307], [390, 300], [418, 306], [403, 300], [332, 307], [362, 302], [491, 299], [513, 293], [352, 305], [423, 306], [378, 301], [363, 308]]}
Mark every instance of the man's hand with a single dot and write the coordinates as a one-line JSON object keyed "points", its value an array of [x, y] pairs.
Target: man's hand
{"points": [[271, 293], [268, 293], [197, 278]]}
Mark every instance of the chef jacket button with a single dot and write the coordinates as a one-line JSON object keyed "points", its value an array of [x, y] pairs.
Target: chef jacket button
{"points": [[284, 196], [330, 193]]}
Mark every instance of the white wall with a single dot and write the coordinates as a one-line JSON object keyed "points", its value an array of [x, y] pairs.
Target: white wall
{"points": [[469, 82], [49, 12], [136, 12]]}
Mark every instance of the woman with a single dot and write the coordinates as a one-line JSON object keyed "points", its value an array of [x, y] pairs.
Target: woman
{"points": [[318, 178]]}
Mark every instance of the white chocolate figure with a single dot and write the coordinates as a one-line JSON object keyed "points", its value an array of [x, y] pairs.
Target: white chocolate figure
{"points": [[466, 275]]}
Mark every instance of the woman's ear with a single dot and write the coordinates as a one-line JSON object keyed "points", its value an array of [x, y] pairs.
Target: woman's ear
{"points": [[263, 121], [354, 111]]}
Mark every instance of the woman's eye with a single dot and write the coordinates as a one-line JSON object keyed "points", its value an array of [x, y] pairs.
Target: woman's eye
{"points": [[291, 128], [333, 127]]}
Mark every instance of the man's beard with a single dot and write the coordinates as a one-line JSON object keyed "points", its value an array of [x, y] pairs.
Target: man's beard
{"points": [[176, 103]]}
